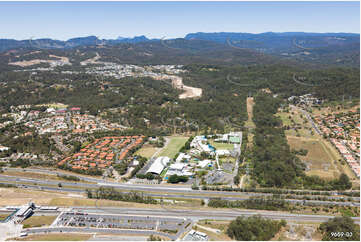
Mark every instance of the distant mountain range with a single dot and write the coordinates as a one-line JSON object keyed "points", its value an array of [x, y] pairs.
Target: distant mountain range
{"points": [[269, 42], [321, 48], [277, 42], [7, 44]]}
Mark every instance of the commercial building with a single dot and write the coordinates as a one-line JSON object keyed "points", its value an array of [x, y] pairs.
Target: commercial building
{"points": [[195, 236], [158, 165], [179, 169], [182, 156]]}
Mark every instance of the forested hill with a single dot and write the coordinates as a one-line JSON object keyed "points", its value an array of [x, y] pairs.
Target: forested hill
{"points": [[319, 48], [179, 51], [336, 49]]}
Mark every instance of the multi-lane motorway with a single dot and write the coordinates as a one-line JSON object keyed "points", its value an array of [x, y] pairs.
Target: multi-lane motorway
{"points": [[194, 214], [154, 191]]}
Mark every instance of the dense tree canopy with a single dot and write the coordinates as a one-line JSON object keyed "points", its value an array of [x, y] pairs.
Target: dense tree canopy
{"points": [[341, 229], [254, 228]]}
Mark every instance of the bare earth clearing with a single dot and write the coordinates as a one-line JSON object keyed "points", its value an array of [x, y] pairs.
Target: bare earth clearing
{"points": [[91, 60], [189, 92], [65, 60]]}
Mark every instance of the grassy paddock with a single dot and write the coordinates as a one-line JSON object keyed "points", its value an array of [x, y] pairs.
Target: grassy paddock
{"points": [[38, 221], [4, 216], [221, 146], [56, 237], [175, 143], [146, 151], [317, 155]]}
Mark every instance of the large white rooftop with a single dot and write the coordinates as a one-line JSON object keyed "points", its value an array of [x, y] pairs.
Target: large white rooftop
{"points": [[158, 165]]}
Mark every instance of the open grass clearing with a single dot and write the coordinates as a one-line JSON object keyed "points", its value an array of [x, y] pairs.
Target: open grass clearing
{"points": [[320, 162], [57, 237], [146, 151], [333, 109], [31, 175], [53, 105], [221, 146], [174, 145], [345, 168], [215, 224], [4, 216], [213, 236], [285, 118], [19, 196], [305, 128], [36, 175], [38, 221]]}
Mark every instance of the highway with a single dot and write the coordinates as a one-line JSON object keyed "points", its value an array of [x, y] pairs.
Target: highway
{"points": [[195, 214], [143, 188], [140, 187], [149, 190], [83, 187]]}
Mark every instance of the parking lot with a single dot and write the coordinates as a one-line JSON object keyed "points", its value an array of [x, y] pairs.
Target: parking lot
{"points": [[77, 219]]}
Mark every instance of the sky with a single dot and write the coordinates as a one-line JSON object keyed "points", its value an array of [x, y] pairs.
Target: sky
{"points": [[108, 20]]}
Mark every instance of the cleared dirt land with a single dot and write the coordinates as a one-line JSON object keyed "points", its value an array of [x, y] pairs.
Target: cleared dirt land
{"points": [[64, 59], [318, 158], [189, 92], [249, 122]]}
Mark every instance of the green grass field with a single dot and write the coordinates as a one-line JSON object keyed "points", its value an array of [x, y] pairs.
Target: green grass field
{"points": [[4, 216], [173, 146], [38, 221], [221, 146]]}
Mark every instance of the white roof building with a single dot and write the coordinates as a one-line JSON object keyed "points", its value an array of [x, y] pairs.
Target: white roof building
{"points": [[182, 156], [50, 110], [179, 169], [4, 148], [158, 165], [177, 166], [223, 152], [204, 163]]}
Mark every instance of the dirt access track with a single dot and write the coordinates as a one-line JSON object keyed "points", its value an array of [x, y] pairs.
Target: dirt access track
{"points": [[189, 92]]}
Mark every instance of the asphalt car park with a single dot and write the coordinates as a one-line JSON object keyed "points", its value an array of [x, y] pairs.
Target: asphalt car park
{"points": [[75, 219]]}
